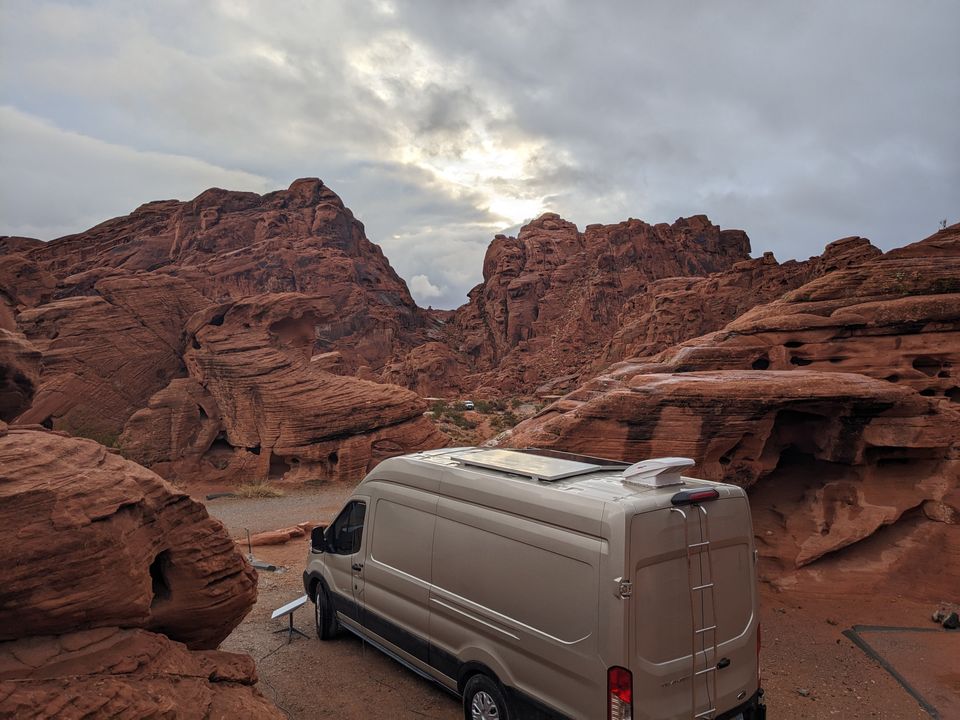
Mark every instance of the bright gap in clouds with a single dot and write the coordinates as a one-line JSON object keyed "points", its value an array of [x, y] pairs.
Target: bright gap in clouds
{"points": [[460, 149]]}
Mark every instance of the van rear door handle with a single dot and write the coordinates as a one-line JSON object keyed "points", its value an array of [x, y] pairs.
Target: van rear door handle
{"points": [[357, 566]]}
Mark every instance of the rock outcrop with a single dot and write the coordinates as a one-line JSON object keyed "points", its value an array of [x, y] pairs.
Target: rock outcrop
{"points": [[230, 245], [672, 310], [102, 563], [552, 297], [98, 541], [130, 674], [109, 310], [254, 405], [837, 405], [106, 353]]}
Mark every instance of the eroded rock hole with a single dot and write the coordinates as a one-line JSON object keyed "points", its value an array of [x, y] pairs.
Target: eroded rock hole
{"points": [[928, 392], [927, 365], [333, 458], [255, 449], [892, 378], [217, 319], [799, 361], [278, 467], [761, 363], [159, 578], [793, 344], [202, 412], [953, 394]]}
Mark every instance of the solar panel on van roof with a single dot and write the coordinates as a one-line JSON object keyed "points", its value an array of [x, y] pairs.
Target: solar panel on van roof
{"points": [[546, 469]]}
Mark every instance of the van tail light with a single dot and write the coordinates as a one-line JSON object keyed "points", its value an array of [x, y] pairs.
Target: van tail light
{"points": [[689, 497], [620, 694]]}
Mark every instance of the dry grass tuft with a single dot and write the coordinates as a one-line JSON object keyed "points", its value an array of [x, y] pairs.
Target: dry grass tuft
{"points": [[259, 489]]}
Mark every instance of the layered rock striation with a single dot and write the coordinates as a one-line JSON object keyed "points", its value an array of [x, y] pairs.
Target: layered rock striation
{"points": [[255, 406]]}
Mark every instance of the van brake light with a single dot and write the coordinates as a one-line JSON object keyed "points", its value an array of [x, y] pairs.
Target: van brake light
{"points": [[689, 497], [620, 694]]}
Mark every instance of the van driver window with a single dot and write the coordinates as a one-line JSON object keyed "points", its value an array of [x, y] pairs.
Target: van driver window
{"points": [[347, 530]]}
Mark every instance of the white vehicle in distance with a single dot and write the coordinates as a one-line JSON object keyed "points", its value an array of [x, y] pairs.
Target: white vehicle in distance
{"points": [[468, 405], [537, 584]]}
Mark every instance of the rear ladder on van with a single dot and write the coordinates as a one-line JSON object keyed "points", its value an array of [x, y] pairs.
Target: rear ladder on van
{"points": [[703, 586]]}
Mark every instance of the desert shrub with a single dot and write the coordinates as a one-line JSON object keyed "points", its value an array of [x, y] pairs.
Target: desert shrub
{"points": [[482, 406], [455, 416], [504, 421], [258, 489], [438, 407]]}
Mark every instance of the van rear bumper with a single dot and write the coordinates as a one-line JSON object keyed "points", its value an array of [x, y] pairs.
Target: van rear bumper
{"points": [[752, 709]]}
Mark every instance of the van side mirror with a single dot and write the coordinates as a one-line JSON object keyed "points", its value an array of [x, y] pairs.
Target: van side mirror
{"points": [[318, 539]]}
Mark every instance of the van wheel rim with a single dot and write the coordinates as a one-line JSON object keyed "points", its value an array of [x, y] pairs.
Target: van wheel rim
{"points": [[484, 707]]}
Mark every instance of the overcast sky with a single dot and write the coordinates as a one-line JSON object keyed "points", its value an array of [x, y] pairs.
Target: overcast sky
{"points": [[442, 123]]}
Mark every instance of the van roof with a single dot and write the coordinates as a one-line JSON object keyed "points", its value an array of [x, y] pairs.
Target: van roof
{"points": [[561, 488]]}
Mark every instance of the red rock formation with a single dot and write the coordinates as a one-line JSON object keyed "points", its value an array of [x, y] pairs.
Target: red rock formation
{"points": [[895, 317], [229, 245], [109, 309], [257, 407], [105, 354], [89, 542], [431, 369], [676, 309], [552, 297], [836, 405], [94, 540], [134, 674]]}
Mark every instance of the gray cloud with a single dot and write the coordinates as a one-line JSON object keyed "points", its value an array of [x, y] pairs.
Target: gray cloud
{"points": [[441, 123]]}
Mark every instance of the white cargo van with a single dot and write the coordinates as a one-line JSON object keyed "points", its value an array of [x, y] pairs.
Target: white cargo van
{"points": [[541, 584]]}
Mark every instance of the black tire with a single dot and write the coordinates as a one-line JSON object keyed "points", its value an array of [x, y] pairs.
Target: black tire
{"points": [[324, 616], [484, 696]]}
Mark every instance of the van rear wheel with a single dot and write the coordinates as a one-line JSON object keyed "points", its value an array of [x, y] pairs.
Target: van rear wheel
{"points": [[326, 619], [483, 699]]}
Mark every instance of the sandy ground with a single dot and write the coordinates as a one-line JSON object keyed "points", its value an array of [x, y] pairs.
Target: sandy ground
{"points": [[810, 669]]}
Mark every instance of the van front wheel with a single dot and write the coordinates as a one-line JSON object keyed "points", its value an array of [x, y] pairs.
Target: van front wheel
{"points": [[483, 699], [324, 615]]}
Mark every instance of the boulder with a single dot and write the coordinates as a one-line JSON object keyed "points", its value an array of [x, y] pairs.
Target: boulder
{"points": [[94, 540]]}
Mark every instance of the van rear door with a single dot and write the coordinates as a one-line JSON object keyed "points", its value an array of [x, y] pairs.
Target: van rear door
{"points": [[693, 618]]}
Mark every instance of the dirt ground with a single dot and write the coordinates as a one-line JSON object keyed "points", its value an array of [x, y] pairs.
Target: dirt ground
{"points": [[810, 669]]}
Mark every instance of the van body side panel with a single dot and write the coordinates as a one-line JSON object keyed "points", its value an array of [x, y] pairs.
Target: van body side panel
{"points": [[520, 597], [666, 612], [397, 569]]}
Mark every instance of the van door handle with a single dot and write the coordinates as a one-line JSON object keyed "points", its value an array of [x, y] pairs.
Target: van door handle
{"points": [[357, 566]]}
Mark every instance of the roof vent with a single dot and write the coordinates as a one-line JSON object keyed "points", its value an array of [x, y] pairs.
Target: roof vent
{"points": [[657, 472]]}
